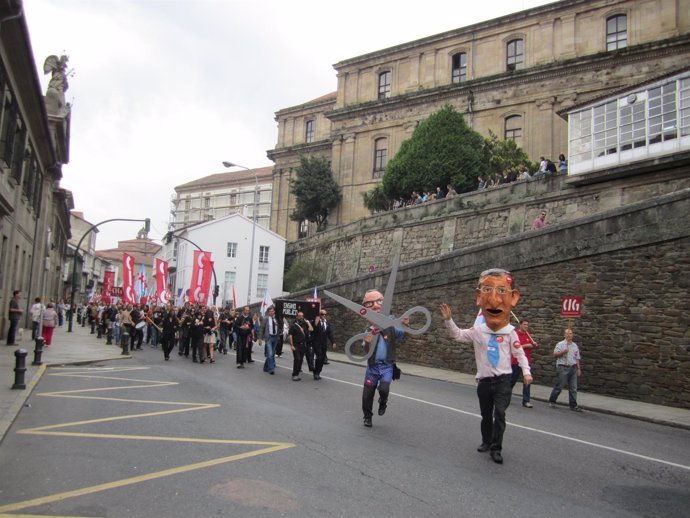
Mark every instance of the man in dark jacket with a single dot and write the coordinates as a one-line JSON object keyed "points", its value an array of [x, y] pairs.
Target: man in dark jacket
{"points": [[380, 365], [323, 333]]}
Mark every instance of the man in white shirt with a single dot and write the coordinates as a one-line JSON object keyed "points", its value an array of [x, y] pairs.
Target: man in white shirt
{"points": [[495, 342], [567, 355], [36, 316]]}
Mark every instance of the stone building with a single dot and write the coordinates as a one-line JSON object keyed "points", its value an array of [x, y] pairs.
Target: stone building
{"points": [[512, 75], [222, 194], [34, 145]]}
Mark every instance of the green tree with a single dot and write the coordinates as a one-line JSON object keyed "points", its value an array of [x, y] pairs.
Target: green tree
{"points": [[376, 199], [442, 150], [315, 190], [505, 153], [304, 273]]}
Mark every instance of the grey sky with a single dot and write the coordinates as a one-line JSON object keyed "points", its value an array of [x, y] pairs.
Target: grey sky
{"points": [[164, 90]]}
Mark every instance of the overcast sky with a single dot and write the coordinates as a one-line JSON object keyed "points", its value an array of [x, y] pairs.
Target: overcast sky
{"points": [[164, 90]]}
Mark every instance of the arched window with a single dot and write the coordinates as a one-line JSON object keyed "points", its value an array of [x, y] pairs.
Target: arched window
{"points": [[617, 32], [459, 67], [515, 54], [384, 85], [513, 128], [380, 156]]}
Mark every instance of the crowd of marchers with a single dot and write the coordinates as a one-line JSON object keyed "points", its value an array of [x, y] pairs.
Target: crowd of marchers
{"points": [[204, 332]]}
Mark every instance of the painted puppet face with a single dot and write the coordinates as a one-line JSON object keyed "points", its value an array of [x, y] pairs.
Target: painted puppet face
{"points": [[374, 300], [497, 298]]}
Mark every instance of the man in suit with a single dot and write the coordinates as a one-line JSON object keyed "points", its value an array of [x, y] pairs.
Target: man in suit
{"points": [[269, 332], [323, 333]]}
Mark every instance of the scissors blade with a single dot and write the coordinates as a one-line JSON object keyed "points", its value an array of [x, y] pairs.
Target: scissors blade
{"points": [[390, 287], [377, 319]]}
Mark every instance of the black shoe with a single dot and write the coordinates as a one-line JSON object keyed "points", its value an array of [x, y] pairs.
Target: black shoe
{"points": [[250, 361], [483, 447], [317, 377], [576, 409], [367, 422], [240, 366], [496, 456], [326, 363], [382, 407], [296, 378], [195, 360]]}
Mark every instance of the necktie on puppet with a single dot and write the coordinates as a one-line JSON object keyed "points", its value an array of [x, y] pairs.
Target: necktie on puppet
{"points": [[492, 351]]}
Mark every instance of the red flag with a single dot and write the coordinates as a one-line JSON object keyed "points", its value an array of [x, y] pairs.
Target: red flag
{"points": [[206, 280], [198, 292], [128, 279], [162, 281], [108, 283]]}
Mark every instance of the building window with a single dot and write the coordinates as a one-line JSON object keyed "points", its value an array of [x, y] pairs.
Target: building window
{"points": [[515, 56], [232, 250], [228, 283], [263, 257], [459, 67], [605, 129], [617, 32], [513, 128], [384, 85], [309, 132], [662, 113], [380, 156], [261, 285], [684, 106]]}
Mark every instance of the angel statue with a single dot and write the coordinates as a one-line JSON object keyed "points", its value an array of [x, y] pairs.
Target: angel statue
{"points": [[55, 93]]}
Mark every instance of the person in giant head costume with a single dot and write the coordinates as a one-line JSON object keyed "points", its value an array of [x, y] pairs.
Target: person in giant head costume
{"points": [[495, 342]]}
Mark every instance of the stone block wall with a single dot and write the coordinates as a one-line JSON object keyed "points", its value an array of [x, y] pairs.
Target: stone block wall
{"points": [[631, 264]]}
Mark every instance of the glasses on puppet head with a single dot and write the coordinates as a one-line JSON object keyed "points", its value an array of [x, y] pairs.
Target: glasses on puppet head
{"points": [[496, 272]]}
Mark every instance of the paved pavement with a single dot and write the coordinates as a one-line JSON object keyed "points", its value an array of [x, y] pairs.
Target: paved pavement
{"points": [[81, 347]]}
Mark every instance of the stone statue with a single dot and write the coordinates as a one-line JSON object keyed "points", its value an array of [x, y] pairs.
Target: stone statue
{"points": [[55, 93]]}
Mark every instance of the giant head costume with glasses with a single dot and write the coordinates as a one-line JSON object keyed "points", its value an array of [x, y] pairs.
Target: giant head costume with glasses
{"points": [[497, 296]]}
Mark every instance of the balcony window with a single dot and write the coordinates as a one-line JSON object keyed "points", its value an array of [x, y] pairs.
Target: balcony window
{"points": [[309, 132], [384, 85], [515, 55], [459, 67]]}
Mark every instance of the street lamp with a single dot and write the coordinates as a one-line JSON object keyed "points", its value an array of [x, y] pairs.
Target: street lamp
{"points": [[73, 305], [251, 255]]}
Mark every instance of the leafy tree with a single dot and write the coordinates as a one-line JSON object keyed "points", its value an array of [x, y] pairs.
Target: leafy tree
{"points": [[376, 199], [506, 153], [315, 190], [304, 273], [442, 150]]}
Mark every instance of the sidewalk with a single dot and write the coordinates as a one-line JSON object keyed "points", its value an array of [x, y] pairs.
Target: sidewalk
{"points": [[73, 348], [81, 347]]}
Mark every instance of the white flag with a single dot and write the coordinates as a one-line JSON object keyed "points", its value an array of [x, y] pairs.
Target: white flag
{"points": [[266, 303]]}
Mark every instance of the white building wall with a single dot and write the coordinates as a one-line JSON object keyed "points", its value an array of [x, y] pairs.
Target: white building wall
{"points": [[214, 236]]}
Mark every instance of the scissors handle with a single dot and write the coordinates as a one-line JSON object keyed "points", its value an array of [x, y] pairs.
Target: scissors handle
{"points": [[412, 311], [355, 339]]}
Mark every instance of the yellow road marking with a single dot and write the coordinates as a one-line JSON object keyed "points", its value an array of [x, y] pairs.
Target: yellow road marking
{"points": [[49, 430]]}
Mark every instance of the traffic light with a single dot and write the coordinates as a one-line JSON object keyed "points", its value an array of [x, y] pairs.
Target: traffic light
{"points": [[216, 290], [147, 225]]}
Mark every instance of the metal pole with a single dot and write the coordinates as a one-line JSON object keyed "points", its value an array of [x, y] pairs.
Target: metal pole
{"points": [[254, 215]]}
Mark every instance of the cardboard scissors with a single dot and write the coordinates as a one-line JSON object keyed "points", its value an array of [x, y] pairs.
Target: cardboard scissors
{"points": [[382, 320]]}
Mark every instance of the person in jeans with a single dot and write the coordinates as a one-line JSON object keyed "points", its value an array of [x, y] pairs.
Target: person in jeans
{"points": [[269, 334], [528, 344], [567, 355]]}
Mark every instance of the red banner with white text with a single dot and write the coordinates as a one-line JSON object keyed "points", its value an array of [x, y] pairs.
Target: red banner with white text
{"points": [[162, 288], [108, 284], [128, 296], [198, 292]]}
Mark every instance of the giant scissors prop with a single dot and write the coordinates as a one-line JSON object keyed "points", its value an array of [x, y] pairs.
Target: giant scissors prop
{"points": [[382, 320]]}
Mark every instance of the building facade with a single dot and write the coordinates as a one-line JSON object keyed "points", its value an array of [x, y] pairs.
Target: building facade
{"points": [[229, 241], [512, 76], [34, 145], [222, 194]]}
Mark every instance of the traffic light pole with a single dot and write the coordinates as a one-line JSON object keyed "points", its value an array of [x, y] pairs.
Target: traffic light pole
{"points": [[72, 304]]}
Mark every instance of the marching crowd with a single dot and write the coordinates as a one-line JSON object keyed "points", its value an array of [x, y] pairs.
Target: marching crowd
{"points": [[206, 331]]}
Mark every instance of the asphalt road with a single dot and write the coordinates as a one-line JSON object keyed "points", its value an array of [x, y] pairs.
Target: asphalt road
{"points": [[147, 438]]}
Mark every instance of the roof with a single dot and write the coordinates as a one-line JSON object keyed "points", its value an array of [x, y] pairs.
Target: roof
{"points": [[225, 220], [222, 179]]}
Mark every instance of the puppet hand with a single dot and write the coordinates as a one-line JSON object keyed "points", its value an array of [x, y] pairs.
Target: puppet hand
{"points": [[446, 311], [527, 379]]}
